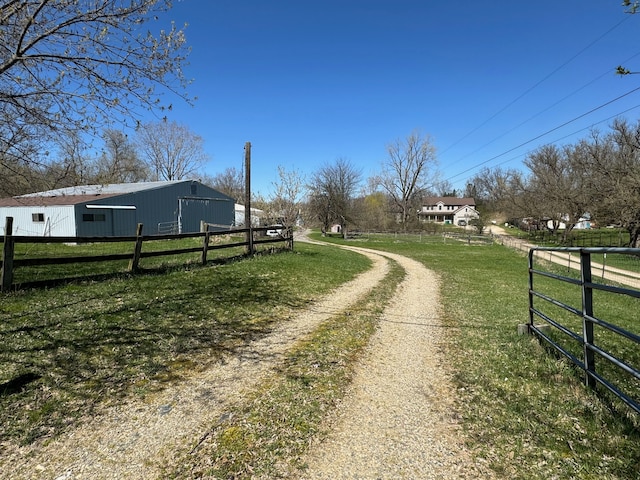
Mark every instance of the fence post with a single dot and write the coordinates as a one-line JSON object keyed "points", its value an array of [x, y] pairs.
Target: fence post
{"points": [[7, 255], [133, 263], [205, 245], [531, 256], [587, 325], [290, 239]]}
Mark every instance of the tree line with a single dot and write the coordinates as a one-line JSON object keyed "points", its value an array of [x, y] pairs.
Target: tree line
{"points": [[161, 150], [597, 177]]}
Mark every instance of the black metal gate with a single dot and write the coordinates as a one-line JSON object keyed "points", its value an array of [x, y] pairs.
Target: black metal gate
{"points": [[586, 346]]}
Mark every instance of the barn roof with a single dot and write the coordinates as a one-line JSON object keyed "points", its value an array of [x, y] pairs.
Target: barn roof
{"points": [[80, 194], [42, 201]]}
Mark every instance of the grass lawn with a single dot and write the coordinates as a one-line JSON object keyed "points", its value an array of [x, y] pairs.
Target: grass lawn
{"points": [[69, 348], [104, 269], [525, 413]]}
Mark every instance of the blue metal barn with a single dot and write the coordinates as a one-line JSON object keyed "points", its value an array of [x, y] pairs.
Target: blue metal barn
{"points": [[116, 209]]}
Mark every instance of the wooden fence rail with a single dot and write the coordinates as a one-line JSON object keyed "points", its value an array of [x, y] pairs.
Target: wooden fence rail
{"points": [[10, 263]]}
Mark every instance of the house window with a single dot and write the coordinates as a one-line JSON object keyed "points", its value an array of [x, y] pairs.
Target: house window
{"points": [[93, 217], [37, 217], [439, 207]]}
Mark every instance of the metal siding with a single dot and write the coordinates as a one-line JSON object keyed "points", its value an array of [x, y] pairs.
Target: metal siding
{"points": [[117, 223], [153, 206], [161, 205], [209, 210], [59, 221], [93, 229]]}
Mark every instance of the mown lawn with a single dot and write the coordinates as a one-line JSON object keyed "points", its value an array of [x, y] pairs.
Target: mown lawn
{"points": [[526, 412], [67, 349]]}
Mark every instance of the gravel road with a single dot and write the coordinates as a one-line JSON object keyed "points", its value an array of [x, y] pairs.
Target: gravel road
{"points": [[397, 422]]}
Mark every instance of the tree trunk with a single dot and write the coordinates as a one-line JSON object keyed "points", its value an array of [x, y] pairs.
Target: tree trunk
{"points": [[634, 235]]}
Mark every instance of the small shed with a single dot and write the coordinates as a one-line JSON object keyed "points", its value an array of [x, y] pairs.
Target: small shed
{"points": [[256, 216], [116, 209]]}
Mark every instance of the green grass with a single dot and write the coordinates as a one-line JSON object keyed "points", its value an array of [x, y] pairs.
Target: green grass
{"points": [[270, 431], [525, 412], [616, 309], [68, 349]]}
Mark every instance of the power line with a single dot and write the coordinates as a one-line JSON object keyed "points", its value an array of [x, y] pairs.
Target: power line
{"points": [[536, 85], [520, 155], [547, 132]]}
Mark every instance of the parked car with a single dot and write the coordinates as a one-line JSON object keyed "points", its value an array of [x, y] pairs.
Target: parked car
{"points": [[462, 223], [275, 230]]}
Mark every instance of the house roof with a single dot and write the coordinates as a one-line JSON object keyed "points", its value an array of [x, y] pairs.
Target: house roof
{"points": [[80, 194], [449, 201]]}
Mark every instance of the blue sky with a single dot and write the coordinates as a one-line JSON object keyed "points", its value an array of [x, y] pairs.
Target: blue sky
{"points": [[309, 81]]}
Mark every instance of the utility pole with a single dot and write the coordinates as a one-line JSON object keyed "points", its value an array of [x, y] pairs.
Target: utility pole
{"points": [[247, 197]]}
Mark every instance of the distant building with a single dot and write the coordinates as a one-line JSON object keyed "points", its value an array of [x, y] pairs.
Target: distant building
{"points": [[256, 216], [449, 210], [116, 209]]}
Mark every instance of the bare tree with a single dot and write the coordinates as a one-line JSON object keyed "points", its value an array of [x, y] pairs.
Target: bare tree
{"points": [[21, 157], [18, 178], [501, 191], [77, 65], [230, 182], [73, 165], [332, 189], [407, 173], [171, 150], [286, 200], [614, 176], [556, 186], [119, 162]]}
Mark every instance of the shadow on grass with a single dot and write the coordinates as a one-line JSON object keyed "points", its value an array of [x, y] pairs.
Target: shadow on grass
{"points": [[84, 274], [68, 349]]}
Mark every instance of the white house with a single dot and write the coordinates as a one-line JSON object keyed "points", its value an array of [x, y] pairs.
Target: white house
{"points": [[450, 210]]}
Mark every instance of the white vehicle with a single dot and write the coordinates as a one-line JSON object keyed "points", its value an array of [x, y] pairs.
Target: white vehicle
{"points": [[275, 231]]}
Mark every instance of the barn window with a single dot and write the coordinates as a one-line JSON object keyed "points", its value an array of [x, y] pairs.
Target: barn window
{"points": [[194, 189], [93, 217], [37, 217]]}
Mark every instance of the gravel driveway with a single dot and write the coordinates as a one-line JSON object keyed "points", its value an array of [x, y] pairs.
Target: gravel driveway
{"points": [[397, 422]]}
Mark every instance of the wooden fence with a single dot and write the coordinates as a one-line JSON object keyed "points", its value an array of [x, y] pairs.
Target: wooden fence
{"points": [[253, 237]]}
